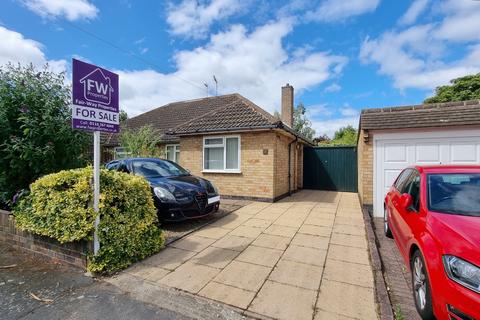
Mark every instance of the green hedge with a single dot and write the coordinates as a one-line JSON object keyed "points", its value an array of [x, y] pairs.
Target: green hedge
{"points": [[59, 205]]}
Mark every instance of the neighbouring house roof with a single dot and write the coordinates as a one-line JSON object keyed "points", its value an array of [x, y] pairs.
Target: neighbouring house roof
{"points": [[463, 113], [224, 113]]}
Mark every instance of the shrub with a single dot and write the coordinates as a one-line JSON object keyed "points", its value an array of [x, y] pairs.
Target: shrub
{"points": [[35, 128], [59, 206]]}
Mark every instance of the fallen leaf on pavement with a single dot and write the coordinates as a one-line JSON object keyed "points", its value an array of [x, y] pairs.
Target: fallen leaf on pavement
{"points": [[40, 299]]}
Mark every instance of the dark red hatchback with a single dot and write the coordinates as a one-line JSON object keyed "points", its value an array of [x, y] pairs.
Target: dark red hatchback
{"points": [[433, 213]]}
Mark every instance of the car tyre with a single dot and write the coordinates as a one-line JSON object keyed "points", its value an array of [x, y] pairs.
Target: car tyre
{"points": [[386, 224], [422, 294]]}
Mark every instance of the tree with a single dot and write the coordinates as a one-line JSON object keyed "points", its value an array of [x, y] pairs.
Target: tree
{"points": [[123, 117], [345, 136], [464, 88], [142, 142], [35, 128], [301, 124]]}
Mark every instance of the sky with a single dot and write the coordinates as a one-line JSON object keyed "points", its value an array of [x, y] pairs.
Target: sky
{"points": [[340, 56]]}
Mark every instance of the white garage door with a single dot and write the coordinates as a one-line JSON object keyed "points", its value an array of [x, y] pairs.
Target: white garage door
{"points": [[395, 151]]}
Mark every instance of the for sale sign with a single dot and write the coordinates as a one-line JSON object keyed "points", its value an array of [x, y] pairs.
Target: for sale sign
{"points": [[95, 98]]}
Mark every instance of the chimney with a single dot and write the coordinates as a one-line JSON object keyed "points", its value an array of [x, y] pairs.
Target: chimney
{"points": [[287, 105]]}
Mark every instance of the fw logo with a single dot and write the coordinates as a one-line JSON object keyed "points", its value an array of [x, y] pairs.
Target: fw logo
{"points": [[97, 87]]}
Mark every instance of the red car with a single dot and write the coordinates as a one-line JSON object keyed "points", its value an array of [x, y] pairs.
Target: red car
{"points": [[433, 213]]}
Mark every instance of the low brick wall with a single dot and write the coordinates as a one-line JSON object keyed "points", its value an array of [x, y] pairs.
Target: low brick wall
{"points": [[73, 253]]}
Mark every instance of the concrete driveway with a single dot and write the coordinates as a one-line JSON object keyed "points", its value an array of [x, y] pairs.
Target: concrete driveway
{"points": [[304, 257]]}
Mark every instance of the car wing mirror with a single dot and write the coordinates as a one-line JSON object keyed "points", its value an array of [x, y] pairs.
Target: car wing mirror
{"points": [[406, 202]]}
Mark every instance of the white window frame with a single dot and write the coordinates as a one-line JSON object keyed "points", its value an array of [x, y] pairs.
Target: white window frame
{"points": [[120, 153], [224, 146], [176, 147]]}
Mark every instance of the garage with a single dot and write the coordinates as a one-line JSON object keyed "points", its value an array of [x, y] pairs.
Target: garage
{"points": [[392, 139]]}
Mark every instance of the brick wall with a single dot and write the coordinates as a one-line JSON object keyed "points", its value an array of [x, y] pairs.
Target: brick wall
{"points": [[365, 169], [281, 165], [256, 177], [74, 253]]}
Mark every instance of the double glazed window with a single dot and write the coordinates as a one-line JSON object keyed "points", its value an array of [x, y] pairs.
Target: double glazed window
{"points": [[173, 152], [221, 154]]}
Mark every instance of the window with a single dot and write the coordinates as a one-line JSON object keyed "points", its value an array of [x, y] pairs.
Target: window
{"points": [[412, 187], [454, 193], [173, 152], [221, 154], [121, 153], [402, 179]]}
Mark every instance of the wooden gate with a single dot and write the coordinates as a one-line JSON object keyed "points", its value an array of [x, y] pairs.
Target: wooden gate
{"points": [[330, 168]]}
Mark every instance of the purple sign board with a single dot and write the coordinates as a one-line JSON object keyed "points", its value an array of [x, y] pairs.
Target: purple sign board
{"points": [[95, 98]]}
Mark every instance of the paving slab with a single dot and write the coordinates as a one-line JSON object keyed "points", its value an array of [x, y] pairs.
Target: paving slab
{"points": [[349, 240], [305, 255], [297, 274], [230, 242], [259, 223], [243, 275], [236, 297], [284, 302], [190, 277], [193, 243], [212, 232], [315, 230], [347, 272], [283, 231], [349, 229], [272, 241], [347, 300], [169, 258], [215, 257], [349, 254], [311, 241], [246, 231], [259, 255]]}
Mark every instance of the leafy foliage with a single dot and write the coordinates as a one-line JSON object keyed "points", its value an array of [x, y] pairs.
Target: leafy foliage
{"points": [[464, 88], [142, 142], [301, 123], [344, 136], [59, 206], [35, 133]]}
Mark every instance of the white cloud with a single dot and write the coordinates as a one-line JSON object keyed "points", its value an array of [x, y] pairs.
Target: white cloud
{"points": [[419, 56], [318, 111], [461, 22], [193, 18], [329, 126], [15, 48], [334, 10], [254, 64], [415, 9], [70, 9], [334, 87], [348, 111]]}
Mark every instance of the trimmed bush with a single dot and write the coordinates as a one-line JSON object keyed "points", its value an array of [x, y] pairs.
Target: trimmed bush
{"points": [[59, 205]]}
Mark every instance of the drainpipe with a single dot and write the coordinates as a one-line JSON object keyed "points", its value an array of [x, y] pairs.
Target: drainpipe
{"points": [[290, 166]]}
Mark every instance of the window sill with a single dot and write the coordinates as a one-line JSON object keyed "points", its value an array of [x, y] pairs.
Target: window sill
{"points": [[222, 171]]}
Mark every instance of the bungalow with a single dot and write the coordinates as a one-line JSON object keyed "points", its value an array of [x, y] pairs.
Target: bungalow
{"points": [[244, 150]]}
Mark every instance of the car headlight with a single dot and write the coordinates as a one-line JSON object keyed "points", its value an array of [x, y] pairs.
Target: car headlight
{"points": [[164, 195], [462, 272]]}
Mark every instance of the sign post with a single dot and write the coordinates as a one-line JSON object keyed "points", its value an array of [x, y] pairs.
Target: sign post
{"points": [[94, 108]]}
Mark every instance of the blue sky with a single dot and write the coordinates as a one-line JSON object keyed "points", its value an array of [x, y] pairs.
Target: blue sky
{"points": [[341, 56]]}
